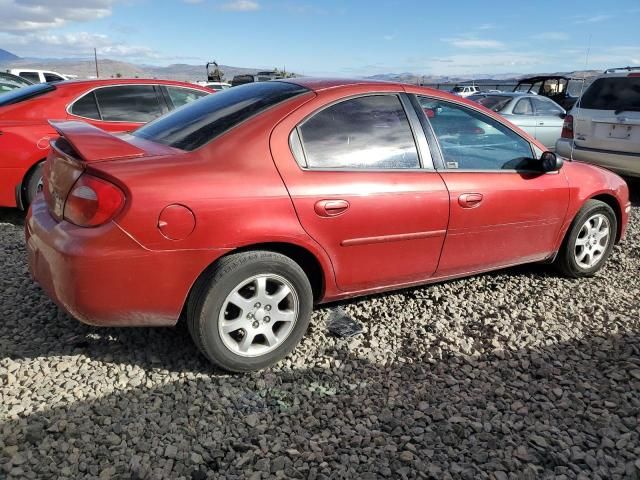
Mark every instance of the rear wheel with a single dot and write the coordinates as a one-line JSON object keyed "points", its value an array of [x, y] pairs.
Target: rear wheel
{"points": [[589, 242], [250, 311], [34, 184]]}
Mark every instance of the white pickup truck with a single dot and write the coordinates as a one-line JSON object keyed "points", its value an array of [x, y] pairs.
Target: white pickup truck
{"points": [[40, 76]]}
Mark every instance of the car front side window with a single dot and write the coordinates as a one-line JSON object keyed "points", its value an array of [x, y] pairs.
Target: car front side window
{"points": [[370, 132], [471, 140], [523, 107], [182, 96]]}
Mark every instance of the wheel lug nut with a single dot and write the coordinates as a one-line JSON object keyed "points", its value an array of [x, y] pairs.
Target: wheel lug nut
{"points": [[267, 319], [267, 307], [256, 324], [257, 305], [250, 316]]}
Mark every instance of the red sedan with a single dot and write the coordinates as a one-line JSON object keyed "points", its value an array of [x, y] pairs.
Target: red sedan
{"points": [[115, 105], [244, 209]]}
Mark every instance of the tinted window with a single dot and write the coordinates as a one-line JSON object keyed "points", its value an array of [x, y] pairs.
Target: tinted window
{"points": [[546, 107], [199, 122], [365, 132], [523, 107], [49, 77], [493, 102], [613, 93], [25, 93], [182, 96], [128, 103], [86, 107], [31, 76], [471, 140]]}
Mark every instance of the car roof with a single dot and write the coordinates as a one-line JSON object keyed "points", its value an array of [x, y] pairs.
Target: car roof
{"points": [[96, 82], [318, 84]]}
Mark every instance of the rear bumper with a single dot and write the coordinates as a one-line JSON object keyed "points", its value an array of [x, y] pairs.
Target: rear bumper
{"points": [[101, 276], [623, 163]]}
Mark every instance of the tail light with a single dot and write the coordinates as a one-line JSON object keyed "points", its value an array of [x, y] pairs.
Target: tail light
{"points": [[92, 201], [567, 127]]}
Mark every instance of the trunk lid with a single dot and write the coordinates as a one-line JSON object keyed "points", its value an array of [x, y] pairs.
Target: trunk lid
{"points": [[80, 146]]}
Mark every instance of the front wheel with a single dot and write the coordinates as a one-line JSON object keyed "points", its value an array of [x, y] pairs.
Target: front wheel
{"points": [[250, 311], [590, 240]]}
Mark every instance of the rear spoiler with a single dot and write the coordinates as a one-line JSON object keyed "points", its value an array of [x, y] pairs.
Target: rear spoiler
{"points": [[93, 144]]}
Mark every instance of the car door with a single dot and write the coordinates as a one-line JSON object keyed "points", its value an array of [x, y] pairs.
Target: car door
{"points": [[549, 118], [504, 210], [119, 108], [360, 176]]}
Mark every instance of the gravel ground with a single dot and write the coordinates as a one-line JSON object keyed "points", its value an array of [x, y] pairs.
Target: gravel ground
{"points": [[519, 374]]}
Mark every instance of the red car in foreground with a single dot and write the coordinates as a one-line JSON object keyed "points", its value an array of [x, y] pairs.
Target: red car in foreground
{"points": [[115, 105], [242, 210]]}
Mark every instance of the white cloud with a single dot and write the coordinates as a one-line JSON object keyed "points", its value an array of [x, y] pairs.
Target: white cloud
{"points": [[32, 15], [69, 45], [240, 6], [551, 36], [388, 38], [592, 19], [467, 42]]}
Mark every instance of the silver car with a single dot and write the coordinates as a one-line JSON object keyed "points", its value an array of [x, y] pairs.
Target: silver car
{"points": [[539, 116]]}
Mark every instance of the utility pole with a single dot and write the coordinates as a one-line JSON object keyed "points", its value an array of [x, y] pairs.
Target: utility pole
{"points": [[95, 57]]}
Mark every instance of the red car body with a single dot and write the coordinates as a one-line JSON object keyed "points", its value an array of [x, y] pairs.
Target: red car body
{"points": [[353, 232], [25, 131]]}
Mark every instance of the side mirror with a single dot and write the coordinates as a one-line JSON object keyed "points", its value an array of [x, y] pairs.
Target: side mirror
{"points": [[550, 162], [562, 115]]}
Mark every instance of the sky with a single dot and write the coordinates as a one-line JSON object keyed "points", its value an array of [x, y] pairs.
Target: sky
{"points": [[332, 37]]}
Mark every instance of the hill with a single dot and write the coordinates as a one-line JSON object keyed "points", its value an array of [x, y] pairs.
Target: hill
{"points": [[7, 56]]}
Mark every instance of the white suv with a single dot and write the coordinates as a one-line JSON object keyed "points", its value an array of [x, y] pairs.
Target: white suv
{"points": [[603, 127], [465, 90], [39, 76]]}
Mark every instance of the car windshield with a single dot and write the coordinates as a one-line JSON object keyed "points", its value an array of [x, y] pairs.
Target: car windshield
{"points": [[613, 93], [197, 123], [25, 93], [492, 102]]}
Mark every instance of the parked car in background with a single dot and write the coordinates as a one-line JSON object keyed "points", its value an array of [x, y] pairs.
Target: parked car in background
{"points": [[9, 81], [242, 79], [115, 105], [604, 126], [217, 86], [245, 208], [540, 117], [562, 90], [39, 76], [465, 90]]}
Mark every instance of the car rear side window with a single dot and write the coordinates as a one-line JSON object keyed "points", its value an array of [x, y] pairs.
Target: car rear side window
{"points": [[523, 107], [86, 107], [200, 122], [613, 93], [128, 103], [370, 132]]}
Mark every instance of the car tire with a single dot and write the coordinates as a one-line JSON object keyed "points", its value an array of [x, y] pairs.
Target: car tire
{"points": [[250, 310], [34, 184], [586, 248]]}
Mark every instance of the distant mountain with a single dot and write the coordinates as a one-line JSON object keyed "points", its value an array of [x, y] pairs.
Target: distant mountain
{"points": [[7, 56], [479, 78], [112, 68]]}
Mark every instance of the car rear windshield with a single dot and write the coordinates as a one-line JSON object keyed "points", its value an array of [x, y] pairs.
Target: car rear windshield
{"points": [[492, 102], [613, 93], [25, 93], [197, 123]]}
